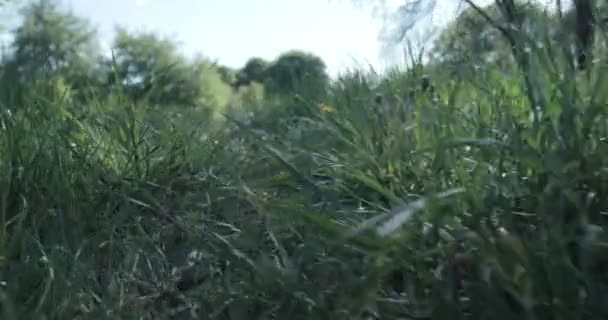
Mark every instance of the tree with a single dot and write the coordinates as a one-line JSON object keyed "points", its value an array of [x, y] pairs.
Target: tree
{"points": [[210, 83], [247, 100], [145, 62], [150, 67], [254, 71], [471, 37], [50, 41], [297, 71], [578, 27], [228, 74]]}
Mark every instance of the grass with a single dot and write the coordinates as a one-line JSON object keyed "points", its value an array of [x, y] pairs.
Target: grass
{"points": [[384, 202]]}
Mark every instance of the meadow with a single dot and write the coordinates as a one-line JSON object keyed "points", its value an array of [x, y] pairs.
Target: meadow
{"points": [[430, 191]]}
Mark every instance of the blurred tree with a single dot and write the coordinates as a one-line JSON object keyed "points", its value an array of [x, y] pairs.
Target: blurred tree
{"points": [[247, 102], [472, 38], [228, 74], [145, 62], [254, 71], [404, 19], [297, 71], [210, 83], [248, 96], [150, 67], [50, 41], [485, 29]]}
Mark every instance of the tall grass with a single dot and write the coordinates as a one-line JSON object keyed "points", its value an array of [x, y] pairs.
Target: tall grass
{"points": [[382, 201]]}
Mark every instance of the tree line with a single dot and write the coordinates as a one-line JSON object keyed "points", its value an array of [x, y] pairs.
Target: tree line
{"points": [[53, 45]]}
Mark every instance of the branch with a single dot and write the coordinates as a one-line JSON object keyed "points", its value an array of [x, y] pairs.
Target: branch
{"points": [[491, 21]]}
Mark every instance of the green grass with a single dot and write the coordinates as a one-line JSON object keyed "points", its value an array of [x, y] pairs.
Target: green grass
{"points": [[389, 203]]}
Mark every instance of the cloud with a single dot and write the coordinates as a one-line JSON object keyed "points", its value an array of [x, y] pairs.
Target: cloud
{"points": [[140, 3], [395, 3]]}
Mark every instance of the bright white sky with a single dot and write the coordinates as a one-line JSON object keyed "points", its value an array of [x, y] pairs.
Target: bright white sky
{"points": [[232, 31]]}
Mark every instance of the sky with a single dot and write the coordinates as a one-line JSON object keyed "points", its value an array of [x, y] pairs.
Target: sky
{"points": [[343, 34], [232, 31]]}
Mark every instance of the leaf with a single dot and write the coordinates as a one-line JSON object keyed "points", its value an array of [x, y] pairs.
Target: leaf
{"points": [[400, 215], [236, 252], [403, 214], [373, 184]]}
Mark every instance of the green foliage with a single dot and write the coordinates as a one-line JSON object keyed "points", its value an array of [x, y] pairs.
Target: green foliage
{"points": [[254, 71], [471, 38], [296, 71], [248, 99], [385, 200], [292, 73], [151, 68], [214, 92], [50, 41], [229, 75]]}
